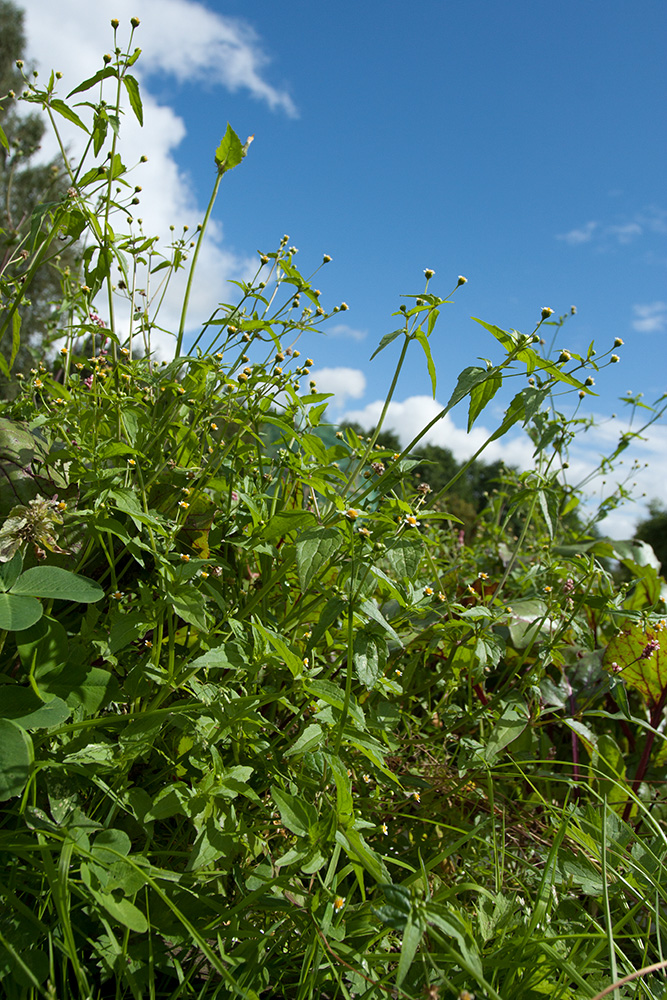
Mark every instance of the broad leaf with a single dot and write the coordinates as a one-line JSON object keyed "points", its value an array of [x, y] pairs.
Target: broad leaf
{"points": [[54, 582], [230, 151], [639, 655], [17, 613], [314, 548], [16, 757]]}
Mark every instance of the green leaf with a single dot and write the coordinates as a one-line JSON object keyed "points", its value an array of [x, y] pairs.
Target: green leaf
{"points": [[102, 74], [22, 706], [412, 935], [468, 379], [507, 338], [43, 647], [358, 850], [368, 608], [54, 582], [386, 340], [311, 737], [3, 139], [421, 337], [17, 613], [16, 337], [404, 556], [370, 653], [132, 88], [482, 393], [16, 758], [344, 800], [314, 548], [121, 911], [190, 605], [509, 726], [296, 814], [286, 521], [63, 109], [81, 684], [230, 151], [10, 572]]}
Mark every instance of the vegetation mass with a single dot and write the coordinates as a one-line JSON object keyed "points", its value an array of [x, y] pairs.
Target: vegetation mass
{"points": [[282, 715]]}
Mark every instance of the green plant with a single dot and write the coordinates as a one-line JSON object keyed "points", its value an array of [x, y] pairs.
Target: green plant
{"points": [[279, 730]]}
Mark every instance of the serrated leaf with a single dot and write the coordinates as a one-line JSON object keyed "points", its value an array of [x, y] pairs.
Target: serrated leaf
{"points": [[134, 96], [314, 548], [230, 151], [63, 109], [102, 74], [640, 652], [481, 394], [370, 653], [385, 341], [422, 339], [295, 813], [467, 380], [404, 556]]}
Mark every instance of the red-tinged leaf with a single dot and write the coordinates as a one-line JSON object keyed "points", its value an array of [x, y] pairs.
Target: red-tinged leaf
{"points": [[638, 654]]}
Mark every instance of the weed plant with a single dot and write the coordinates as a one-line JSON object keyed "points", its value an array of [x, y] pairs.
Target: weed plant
{"points": [[271, 724]]}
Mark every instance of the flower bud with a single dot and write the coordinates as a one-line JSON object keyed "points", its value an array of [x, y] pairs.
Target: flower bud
{"points": [[135, 22], [461, 280], [618, 342], [107, 58], [546, 312], [614, 358], [114, 22], [428, 273]]}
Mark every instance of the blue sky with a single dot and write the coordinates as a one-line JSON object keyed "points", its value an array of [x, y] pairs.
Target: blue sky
{"points": [[520, 144]]}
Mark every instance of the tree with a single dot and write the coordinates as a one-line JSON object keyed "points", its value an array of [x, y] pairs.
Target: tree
{"points": [[23, 186], [654, 531]]}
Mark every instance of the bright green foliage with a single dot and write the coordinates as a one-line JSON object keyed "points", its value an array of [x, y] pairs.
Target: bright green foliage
{"points": [[271, 726]]}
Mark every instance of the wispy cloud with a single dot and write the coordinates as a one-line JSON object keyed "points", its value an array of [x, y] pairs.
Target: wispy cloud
{"points": [[343, 330], [651, 219], [582, 235], [625, 233], [650, 317]]}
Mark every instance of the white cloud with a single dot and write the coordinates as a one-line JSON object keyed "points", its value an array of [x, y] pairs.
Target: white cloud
{"points": [[640, 470], [186, 40], [181, 38], [346, 383], [652, 219], [650, 317], [343, 330], [581, 235], [625, 233]]}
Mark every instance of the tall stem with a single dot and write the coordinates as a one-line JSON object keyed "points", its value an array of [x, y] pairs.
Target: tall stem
{"points": [[188, 287]]}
